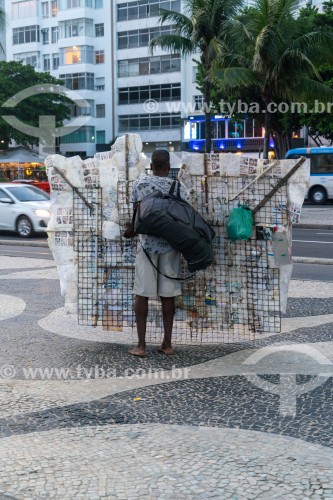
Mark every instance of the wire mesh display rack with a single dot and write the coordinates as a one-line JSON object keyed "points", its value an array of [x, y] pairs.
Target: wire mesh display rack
{"points": [[237, 298]]}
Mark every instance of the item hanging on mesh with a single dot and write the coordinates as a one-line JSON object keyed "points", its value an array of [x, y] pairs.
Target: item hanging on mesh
{"points": [[240, 224], [175, 220], [241, 219]]}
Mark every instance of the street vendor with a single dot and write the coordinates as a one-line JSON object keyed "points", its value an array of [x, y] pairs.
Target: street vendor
{"points": [[148, 280]]}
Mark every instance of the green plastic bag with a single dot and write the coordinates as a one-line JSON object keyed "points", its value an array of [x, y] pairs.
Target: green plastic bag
{"points": [[240, 224]]}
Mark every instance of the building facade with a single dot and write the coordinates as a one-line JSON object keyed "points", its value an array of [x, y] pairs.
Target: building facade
{"points": [[100, 49], [152, 91], [314, 3], [70, 39]]}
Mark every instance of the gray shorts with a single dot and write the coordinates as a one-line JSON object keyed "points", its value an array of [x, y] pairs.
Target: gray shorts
{"points": [[149, 283]]}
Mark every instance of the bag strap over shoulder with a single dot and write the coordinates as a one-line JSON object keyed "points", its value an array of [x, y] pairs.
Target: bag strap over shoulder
{"points": [[173, 188], [165, 275]]}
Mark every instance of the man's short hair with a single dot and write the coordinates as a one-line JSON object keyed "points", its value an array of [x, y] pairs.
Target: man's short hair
{"points": [[160, 158]]}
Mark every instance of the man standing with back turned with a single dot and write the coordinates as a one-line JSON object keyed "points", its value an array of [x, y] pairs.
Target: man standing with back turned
{"points": [[148, 281]]}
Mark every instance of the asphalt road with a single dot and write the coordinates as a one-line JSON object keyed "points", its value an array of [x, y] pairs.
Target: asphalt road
{"points": [[312, 272], [306, 243], [33, 252], [313, 243]]}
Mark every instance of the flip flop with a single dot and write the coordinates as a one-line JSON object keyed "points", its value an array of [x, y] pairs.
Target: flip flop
{"points": [[161, 351], [138, 355]]}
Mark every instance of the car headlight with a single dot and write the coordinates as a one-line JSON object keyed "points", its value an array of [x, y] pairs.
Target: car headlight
{"points": [[43, 213]]}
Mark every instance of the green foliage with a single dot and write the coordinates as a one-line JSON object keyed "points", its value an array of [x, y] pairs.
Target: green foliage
{"points": [[320, 125], [200, 29], [282, 52], [15, 77], [268, 52]]}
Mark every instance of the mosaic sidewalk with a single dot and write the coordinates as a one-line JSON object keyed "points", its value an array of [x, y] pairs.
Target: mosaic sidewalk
{"points": [[80, 418]]}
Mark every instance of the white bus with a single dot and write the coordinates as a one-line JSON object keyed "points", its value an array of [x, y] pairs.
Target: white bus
{"points": [[321, 172]]}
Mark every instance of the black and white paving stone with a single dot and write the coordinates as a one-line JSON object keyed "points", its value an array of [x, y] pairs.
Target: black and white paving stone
{"points": [[80, 418]]}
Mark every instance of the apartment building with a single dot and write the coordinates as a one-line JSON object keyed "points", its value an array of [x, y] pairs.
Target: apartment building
{"points": [[152, 91], [314, 3], [71, 39], [2, 36], [100, 49]]}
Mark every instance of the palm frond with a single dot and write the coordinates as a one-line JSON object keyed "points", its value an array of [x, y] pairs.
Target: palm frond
{"points": [[236, 32], [173, 44], [292, 63], [236, 77], [316, 44], [179, 21], [308, 89]]}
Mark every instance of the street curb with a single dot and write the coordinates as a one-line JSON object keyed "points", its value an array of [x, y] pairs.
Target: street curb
{"points": [[43, 244], [312, 260], [313, 226], [24, 243]]}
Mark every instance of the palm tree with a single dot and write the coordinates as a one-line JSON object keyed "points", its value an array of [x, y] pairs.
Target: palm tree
{"points": [[2, 26], [273, 53], [199, 29]]}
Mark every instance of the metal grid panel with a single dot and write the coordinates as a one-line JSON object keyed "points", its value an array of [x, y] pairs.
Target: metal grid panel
{"points": [[236, 298]]}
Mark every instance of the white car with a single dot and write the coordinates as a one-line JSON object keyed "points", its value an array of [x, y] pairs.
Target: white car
{"points": [[24, 209]]}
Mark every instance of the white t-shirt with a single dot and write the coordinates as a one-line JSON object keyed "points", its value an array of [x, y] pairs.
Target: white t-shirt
{"points": [[144, 185]]}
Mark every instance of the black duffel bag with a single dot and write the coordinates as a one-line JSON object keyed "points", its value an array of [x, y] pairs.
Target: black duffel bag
{"points": [[175, 220]]}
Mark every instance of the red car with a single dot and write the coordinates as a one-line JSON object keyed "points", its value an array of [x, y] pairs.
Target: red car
{"points": [[44, 185]]}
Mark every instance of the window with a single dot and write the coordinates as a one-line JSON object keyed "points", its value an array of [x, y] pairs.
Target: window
{"points": [[83, 134], [46, 62], [149, 65], [99, 57], [74, 4], [45, 36], [55, 61], [54, 34], [162, 92], [141, 38], [26, 34], [220, 129], [77, 54], [145, 8], [54, 8], [235, 129], [98, 4], [249, 128], [100, 110], [28, 193], [82, 108], [99, 29], [194, 74], [100, 137], [322, 164], [23, 10], [31, 58], [78, 81], [148, 122], [45, 9], [100, 84], [76, 27], [198, 102]]}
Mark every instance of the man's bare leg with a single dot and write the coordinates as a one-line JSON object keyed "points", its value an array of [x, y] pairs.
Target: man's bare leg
{"points": [[141, 313], [168, 310]]}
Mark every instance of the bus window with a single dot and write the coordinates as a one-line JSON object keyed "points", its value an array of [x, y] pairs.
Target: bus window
{"points": [[295, 157], [322, 164]]}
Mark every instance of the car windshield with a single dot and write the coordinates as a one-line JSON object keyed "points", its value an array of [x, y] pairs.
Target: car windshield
{"points": [[28, 193]]}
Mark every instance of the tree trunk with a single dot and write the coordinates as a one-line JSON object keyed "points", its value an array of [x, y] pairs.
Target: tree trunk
{"points": [[282, 144], [208, 123]]}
